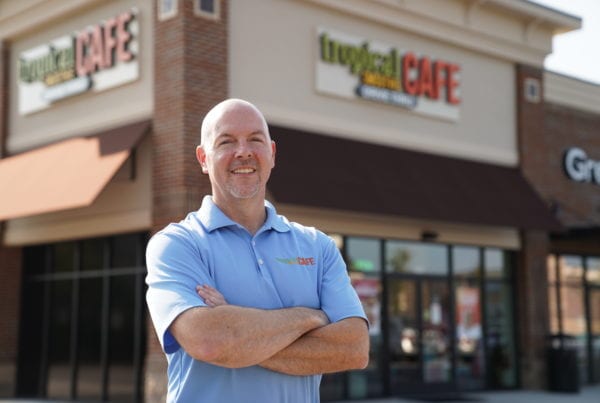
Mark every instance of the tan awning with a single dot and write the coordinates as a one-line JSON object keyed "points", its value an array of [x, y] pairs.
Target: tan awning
{"points": [[64, 175]]}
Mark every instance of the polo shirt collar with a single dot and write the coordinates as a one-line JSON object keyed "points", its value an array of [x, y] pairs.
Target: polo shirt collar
{"points": [[213, 218]]}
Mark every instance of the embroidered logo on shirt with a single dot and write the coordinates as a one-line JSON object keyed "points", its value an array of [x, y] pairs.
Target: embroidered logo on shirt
{"points": [[302, 261]]}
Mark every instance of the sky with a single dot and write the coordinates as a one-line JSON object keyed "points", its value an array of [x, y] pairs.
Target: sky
{"points": [[577, 53]]}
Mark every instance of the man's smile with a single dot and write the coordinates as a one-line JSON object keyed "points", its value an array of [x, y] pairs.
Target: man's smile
{"points": [[243, 170]]}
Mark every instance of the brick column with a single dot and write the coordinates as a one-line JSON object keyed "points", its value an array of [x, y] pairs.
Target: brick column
{"points": [[190, 77], [10, 294], [10, 262], [532, 288], [532, 305]]}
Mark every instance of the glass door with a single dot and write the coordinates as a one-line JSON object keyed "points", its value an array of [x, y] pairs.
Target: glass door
{"points": [[419, 336]]}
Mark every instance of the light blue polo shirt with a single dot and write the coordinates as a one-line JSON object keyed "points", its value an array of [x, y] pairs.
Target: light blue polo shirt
{"points": [[283, 265]]}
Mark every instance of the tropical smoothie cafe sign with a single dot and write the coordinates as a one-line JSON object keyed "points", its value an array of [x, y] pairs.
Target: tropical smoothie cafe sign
{"points": [[352, 67], [93, 59]]}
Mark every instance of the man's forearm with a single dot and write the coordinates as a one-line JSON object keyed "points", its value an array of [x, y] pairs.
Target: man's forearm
{"points": [[336, 347], [233, 336]]}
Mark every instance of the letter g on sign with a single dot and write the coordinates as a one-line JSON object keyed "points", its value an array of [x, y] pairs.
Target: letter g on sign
{"points": [[575, 164]]}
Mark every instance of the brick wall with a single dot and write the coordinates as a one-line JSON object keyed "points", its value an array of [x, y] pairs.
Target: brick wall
{"points": [[10, 264], [190, 77], [10, 287], [532, 294], [547, 131], [532, 305]]}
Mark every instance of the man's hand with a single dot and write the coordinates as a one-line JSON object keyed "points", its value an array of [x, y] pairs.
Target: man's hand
{"points": [[210, 295]]}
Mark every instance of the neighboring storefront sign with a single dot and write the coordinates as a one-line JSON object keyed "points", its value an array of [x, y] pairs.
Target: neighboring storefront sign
{"points": [[353, 67], [95, 59], [579, 167]]}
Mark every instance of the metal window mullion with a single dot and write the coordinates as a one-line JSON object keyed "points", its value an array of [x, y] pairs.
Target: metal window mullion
{"points": [[384, 315], [452, 319], [105, 318], [558, 286], [47, 298], [138, 320], [512, 296], [346, 374], [75, 322], [588, 320], [483, 305]]}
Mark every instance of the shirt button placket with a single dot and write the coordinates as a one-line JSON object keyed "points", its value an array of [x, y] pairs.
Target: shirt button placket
{"points": [[257, 256]]}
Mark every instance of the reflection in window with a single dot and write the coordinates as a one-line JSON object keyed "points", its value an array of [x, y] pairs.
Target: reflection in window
{"points": [[567, 305], [502, 368], [364, 262], [416, 258], [497, 264], [436, 332], [551, 267], [593, 271], [571, 295], [465, 261]]}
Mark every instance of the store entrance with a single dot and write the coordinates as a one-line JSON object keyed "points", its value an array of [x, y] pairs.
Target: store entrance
{"points": [[420, 335]]}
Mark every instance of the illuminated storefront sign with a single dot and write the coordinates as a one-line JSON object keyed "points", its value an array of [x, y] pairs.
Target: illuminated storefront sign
{"points": [[95, 59], [352, 67], [580, 168]]}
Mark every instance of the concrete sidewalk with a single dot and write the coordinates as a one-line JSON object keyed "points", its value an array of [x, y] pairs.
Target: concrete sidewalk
{"points": [[590, 394]]}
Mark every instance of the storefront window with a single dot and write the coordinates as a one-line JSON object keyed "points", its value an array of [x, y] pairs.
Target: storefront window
{"points": [[59, 340], [551, 268], [89, 321], [572, 308], [364, 260], [404, 334], [470, 364], [437, 360], [593, 271], [432, 331], [496, 264], [575, 308], [500, 335], [416, 258]]}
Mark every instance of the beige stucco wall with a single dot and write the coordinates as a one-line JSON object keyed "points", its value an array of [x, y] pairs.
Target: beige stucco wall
{"points": [[89, 112], [273, 53]]}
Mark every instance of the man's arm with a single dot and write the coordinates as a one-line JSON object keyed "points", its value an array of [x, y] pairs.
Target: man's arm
{"points": [[339, 346], [234, 337], [335, 347]]}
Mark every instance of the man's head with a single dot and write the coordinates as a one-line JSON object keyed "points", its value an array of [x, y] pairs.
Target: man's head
{"points": [[236, 151]]}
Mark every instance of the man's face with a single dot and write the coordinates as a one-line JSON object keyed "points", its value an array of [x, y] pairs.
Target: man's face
{"points": [[237, 154]]}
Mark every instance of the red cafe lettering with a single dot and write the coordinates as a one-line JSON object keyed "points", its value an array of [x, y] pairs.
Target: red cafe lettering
{"points": [[430, 77], [100, 46]]}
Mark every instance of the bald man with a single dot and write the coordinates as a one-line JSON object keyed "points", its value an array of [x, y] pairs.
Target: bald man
{"points": [[248, 306]]}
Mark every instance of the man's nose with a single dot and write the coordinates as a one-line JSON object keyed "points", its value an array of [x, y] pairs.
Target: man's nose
{"points": [[243, 150]]}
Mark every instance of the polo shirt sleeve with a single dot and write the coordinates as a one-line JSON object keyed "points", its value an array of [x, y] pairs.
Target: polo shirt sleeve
{"points": [[338, 298], [175, 267]]}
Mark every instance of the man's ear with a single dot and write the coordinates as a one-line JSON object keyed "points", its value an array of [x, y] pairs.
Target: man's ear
{"points": [[201, 157], [273, 152]]}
